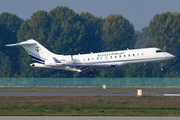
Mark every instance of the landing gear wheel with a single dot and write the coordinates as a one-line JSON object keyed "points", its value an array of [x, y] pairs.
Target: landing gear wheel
{"points": [[91, 75]]}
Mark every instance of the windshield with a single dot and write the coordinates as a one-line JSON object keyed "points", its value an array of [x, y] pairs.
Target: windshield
{"points": [[158, 51]]}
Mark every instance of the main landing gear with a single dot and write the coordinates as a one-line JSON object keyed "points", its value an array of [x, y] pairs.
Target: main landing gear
{"points": [[91, 75]]}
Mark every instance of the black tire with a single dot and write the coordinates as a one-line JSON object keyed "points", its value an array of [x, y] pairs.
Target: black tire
{"points": [[91, 75]]}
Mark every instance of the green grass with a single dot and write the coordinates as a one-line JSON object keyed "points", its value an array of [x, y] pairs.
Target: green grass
{"points": [[90, 106], [87, 111], [88, 89]]}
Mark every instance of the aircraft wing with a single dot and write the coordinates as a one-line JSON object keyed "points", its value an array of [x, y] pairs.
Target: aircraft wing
{"points": [[89, 67]]}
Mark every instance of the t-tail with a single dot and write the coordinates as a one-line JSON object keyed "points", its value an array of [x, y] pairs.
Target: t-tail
{"points": [[38, 52]]}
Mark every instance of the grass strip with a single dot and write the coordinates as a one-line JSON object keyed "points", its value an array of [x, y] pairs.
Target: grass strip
{"points": [[71, 110], [89, 106]]}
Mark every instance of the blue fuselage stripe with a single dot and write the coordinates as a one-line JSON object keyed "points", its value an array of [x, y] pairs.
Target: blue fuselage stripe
{"points": [[37, 59]]}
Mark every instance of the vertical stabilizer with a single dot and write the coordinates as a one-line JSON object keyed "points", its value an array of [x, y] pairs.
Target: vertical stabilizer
{"points": [[38, 52]]}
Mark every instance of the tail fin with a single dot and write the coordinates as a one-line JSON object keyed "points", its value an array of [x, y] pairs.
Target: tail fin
{"points": [[38, 52]]}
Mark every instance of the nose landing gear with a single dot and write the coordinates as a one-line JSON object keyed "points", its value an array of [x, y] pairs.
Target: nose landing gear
{"points": [[162, 66]]}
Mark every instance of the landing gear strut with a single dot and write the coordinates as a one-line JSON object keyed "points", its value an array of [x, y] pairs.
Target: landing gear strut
{"points": [[76, 74], [162, 66], [91, 75]]}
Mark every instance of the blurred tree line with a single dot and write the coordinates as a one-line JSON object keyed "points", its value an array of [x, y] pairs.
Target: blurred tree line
{"points": [[63, 31]]}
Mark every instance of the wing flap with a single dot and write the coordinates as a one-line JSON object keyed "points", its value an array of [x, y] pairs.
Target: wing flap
{"points": [[89, 65]]}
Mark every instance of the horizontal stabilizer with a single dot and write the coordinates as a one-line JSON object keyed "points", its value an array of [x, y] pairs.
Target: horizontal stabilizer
{"points": [[22, 43]]}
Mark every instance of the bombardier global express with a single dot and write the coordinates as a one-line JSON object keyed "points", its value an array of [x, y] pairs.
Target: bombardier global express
{"points": [[90, 62]]}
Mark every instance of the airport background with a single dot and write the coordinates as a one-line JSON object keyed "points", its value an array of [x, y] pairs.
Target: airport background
{"points": [[65, 32], [68, 30]]}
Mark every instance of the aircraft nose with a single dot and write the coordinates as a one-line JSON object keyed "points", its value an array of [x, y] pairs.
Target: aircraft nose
{"points": [[170, 56]]}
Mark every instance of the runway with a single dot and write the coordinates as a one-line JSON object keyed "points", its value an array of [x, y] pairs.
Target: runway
{"points": [[88, 94]]}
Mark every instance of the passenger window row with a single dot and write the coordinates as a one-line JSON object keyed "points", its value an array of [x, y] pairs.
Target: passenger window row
{"points": [[120, 56]]}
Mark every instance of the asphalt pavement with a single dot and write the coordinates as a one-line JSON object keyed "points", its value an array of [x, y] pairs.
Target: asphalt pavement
{"points": [[88, 94]]}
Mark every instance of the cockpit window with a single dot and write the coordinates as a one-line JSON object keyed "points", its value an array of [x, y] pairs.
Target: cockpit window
{"points": [[158, 51]]}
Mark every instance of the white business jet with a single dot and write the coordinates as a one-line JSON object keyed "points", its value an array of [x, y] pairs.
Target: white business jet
{"points": [[93, 61]]}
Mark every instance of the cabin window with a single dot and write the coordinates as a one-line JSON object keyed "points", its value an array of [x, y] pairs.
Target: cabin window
{"points": [[137, 54], [119, 55], [111, 57], [88, 59], [84, 59], [115, 56], [101, 58], [142, 54], [133, 54], [92, 58], [129, 55], [97, 58], [124, 55]]}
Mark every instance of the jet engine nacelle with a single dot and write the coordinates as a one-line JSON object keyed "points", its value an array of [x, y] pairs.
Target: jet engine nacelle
{"points": [[66, 59], [52, 63], [59, 61]]}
